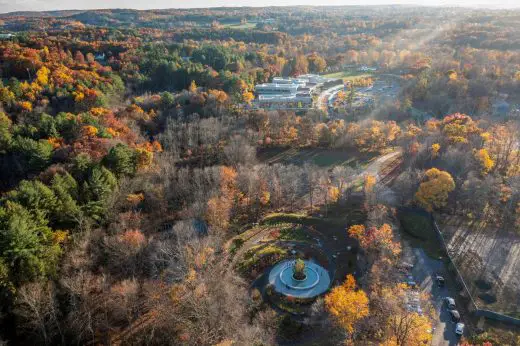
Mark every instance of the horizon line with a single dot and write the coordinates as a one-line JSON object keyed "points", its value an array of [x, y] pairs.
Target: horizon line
{"points": [[441, 6]]}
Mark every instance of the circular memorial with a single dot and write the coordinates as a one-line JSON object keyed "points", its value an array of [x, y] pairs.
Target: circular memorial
{"points": [[299, 278]]}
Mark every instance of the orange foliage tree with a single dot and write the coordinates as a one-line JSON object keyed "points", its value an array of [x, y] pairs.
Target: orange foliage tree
{"points": [[379, 240], [219, 208]]}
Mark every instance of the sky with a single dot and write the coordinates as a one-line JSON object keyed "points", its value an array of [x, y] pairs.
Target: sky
{"points": [[44, 5]]}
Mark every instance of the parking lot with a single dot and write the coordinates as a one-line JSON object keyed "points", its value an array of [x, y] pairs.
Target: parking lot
{"points": [[424, 270], [380, 91]]}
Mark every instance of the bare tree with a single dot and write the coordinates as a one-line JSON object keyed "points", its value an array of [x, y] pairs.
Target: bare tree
{"points": [[405, 186], [37, 309], [239, 151]]}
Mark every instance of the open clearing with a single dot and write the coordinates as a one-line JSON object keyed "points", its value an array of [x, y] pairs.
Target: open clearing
{"points": [[348, 75], [317, 156], [239, 25]]}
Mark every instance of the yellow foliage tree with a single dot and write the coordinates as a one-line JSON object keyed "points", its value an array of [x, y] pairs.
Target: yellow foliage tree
{"points": [[408, 329], [436, 147], [25, 106], [135, 198], [485, 161], [248, 97], [370, 182], [347, 304], [42, 76], [144, 158], [403, 327], [193, 87], [89, 131], [433, 192], [459, 127], [333, 194], [265, 197]]}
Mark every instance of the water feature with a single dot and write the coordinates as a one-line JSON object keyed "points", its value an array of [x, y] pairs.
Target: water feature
{"points": [[315, 281]]}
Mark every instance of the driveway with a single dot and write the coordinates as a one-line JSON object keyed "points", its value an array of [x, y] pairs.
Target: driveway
{"points": [[423, 272]]}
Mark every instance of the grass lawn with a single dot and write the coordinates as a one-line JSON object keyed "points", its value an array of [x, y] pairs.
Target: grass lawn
{"points": [[265, 251], [348, 75], [292, 218], [239, 26], [293, 232]]}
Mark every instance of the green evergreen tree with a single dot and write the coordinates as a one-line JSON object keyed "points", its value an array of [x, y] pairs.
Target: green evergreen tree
{"points": [[35, 197], [97, 190], [66, 210], [121, 160], [35, 155], [27, 244]]}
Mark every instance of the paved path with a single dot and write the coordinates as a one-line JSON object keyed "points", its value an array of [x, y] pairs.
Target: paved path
{"points": [[323, 98]]}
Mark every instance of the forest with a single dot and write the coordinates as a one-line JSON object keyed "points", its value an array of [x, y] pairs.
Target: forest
{"points": [[144, 199]]}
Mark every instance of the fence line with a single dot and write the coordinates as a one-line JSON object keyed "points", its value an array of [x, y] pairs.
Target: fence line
{"points": [[477, 311], [460, 278]]}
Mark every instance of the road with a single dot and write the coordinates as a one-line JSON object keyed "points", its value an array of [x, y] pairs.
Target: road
{"points": [[424, 269], [323, 99]]}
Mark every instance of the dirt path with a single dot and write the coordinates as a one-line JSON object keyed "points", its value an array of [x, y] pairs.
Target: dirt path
{"points": [[378, 166]]}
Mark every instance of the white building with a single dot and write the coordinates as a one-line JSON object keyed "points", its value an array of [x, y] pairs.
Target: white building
{"points": [[288, 93], [276, 89], [287, 102]]}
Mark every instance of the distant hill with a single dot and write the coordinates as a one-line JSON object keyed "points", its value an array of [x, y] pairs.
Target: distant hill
{"points": [[36, 14]]}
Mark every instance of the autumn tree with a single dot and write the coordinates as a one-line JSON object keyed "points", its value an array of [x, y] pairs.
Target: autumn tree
{"points": [[317, 64], [459, 128], [434, 190], [247, 96], [193, 87], [300, 65], [347, 304], [485, 161], [220, 207], [376, 240], [402, 326], [5, 132], [435, 148]]}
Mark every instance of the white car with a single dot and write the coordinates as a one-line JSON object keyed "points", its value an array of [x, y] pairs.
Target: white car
{"points": [[459, 329]]}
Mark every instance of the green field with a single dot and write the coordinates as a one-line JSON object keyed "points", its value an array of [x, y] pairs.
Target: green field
{"points": [[348, 75], [239, 26]]}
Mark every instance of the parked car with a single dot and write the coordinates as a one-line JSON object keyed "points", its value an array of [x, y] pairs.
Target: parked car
{"points": [[455, 315], [459, 329], [440, 280], [450, 302], [411, 283]]}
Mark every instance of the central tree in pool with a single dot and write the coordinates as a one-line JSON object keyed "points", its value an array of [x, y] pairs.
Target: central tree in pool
{"points": [[299, 269]]}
